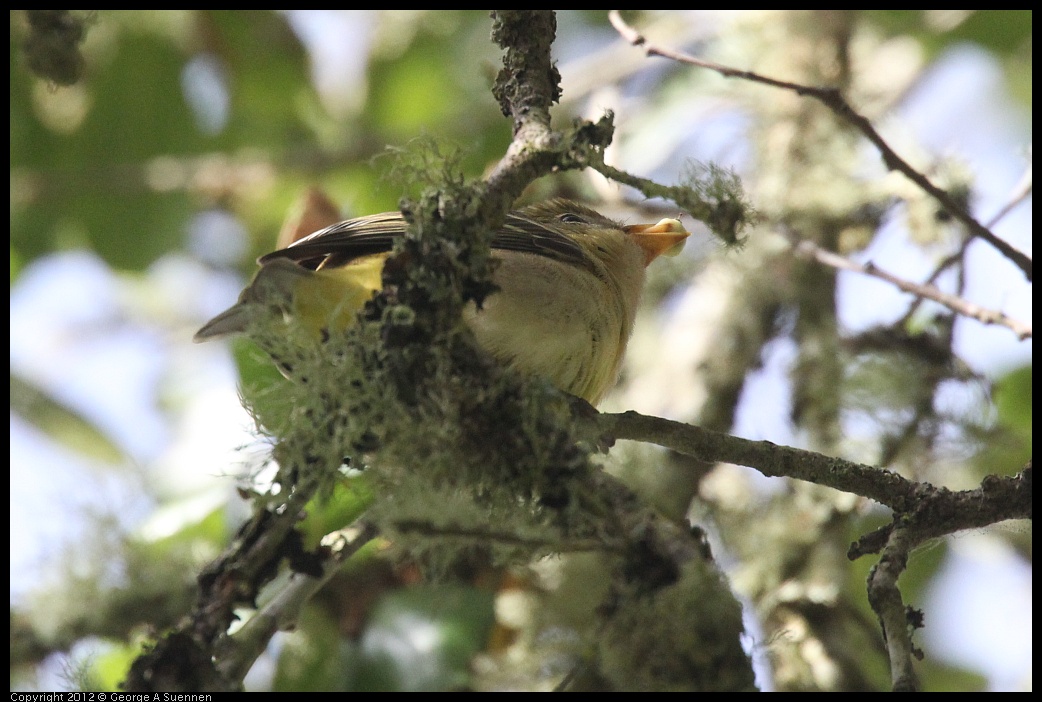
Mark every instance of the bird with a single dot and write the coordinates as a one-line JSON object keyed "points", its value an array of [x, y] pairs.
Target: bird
{"points": [[568, 285]]}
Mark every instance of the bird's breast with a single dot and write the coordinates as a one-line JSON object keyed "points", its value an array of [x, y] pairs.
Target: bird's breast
{"points": [[558, 321]]}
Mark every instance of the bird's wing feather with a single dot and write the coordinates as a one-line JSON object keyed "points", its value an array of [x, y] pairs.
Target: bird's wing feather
{"points": [[343, 242], [346, 241], [525, 235]]}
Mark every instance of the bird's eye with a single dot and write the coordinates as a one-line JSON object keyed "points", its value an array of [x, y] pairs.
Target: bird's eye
{"points": [[570, 218]]}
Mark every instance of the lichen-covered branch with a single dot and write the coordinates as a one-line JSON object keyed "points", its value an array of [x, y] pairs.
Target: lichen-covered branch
{"points": [[997, 499]]}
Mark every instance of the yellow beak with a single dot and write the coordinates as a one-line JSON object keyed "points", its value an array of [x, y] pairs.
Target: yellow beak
{"points": [[667, 237]]}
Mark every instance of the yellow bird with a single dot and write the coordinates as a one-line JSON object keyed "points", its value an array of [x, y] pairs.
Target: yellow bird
{"points": [[569, 284]]}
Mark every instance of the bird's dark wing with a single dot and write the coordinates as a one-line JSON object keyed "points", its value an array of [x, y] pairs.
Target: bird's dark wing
{"points": [[527, 235], [341, 243]]}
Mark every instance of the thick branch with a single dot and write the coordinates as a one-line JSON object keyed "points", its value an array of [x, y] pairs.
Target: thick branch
{"points": [[997, 499], [939, 512], [526, 87], [885, 598], [770, 459], [235, 655]]}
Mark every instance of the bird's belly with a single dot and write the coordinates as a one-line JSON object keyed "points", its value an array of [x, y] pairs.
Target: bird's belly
{"points": [[555, 321]]}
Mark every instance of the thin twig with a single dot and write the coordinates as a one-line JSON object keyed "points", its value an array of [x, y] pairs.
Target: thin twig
{"points": [[941, 268], [833, 100], [1019, 193], [955, 303]]}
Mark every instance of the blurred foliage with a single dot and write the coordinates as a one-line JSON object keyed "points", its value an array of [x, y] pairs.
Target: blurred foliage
{"points": [[423, 638], [1004, 33], [1006, 444], [119, 162], [419, 638], [62, 424]]}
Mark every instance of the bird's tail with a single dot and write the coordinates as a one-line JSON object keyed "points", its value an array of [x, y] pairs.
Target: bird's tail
{"points": [[321, 300]]}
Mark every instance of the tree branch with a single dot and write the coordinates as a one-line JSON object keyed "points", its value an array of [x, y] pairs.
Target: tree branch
{"points": [[808, 249], [834, 101], [236, 654], [886, 601], [997, 499]]}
